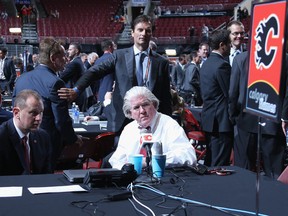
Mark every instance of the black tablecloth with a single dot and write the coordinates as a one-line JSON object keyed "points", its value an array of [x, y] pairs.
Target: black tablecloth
{"points": [[235, 191]]}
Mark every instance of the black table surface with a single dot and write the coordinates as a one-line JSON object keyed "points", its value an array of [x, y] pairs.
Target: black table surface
{"points": [[236, 191]]}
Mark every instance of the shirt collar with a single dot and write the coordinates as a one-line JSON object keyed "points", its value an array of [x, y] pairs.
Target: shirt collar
{"points": [[137, 51], [20, 133]]}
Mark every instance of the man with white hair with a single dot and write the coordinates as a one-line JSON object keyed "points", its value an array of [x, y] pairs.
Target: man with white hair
{"points": [[141, 105]]}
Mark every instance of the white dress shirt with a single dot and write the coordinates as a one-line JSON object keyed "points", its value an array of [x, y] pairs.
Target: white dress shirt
{"points": [[166, 130]]}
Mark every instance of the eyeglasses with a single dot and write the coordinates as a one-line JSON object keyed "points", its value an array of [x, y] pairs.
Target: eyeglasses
{"points": [[238, 33]]}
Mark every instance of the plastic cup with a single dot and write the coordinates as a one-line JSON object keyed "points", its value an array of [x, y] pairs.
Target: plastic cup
{"points": [[137, 161], [158, 165]]}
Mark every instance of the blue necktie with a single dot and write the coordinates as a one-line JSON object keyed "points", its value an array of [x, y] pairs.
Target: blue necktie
{"points": [[140, 69]]}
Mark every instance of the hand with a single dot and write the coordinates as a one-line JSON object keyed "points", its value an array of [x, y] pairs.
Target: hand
{"points": [[108, 96], [91, 118], [67, 94], [284, 126]]}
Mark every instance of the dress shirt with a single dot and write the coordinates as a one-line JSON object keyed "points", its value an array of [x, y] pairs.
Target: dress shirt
{"points": [[21, 135], [166, 130], [232, 55], [137, 53], [2, 75]]}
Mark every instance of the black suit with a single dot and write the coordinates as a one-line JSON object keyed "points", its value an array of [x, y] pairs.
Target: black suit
{"points": [[122, 63], [72, 72], [12, 160], [5, 115], [9, 72], [177, 75], [214, 84], [245, 143]]}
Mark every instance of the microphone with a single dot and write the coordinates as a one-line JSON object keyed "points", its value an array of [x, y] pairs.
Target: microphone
{"points": [[146, 143]]}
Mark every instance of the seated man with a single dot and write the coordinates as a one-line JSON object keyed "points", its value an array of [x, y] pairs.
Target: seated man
{"points": [[24, 148], [4, 114], [141, 105]]}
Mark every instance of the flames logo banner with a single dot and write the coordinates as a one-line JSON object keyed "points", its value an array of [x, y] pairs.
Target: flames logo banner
{"points": [[265, 58]]}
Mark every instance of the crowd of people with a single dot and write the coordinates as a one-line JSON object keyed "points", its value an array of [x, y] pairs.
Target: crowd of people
{"points": [[137, 88]]}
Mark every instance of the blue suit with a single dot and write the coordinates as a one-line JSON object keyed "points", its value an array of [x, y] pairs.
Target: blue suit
{"points": [[12, 160], [5, 115], [56, 120], [106, 83]]}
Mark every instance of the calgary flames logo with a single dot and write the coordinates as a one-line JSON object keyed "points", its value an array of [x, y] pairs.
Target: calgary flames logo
{"points": [[265, 53]]}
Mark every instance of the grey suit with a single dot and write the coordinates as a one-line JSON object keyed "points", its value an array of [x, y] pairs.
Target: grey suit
{"points": [[122, 62]]}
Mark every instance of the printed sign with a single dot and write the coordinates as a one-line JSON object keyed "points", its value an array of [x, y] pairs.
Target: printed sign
{"points": [[266, 56]]}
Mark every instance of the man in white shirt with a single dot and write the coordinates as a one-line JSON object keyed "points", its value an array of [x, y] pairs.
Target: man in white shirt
{"points": [[141, 105]]}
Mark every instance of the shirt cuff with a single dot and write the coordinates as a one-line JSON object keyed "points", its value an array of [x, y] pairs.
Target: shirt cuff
{"points": [[106, 102], [76, 90]]}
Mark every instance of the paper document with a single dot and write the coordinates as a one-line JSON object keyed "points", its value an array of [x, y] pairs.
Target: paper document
{"points": [[11, 191], [79, 129], [56, 189]]}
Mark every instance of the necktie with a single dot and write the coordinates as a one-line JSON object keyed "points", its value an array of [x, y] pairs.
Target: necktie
{"points": [[26, 152], [140, 69]]}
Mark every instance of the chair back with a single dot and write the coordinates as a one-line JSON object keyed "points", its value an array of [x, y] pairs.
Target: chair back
{"points": [[191, 123]]}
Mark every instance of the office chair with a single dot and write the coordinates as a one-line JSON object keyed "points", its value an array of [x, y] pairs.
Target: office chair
{"points": [[194, 132]]}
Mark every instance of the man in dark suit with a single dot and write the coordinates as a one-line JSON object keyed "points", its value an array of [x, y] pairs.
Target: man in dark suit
{"points": [[272, 144], [214, 83], [73, 71], [106, 83], [43, 79], [178, 72], [7, 71], [123, 62], [32, 156], [4, 114]]}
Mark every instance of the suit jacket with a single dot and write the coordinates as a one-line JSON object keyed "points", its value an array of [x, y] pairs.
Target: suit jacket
{"points": [[12, 160], [214, 83], [9, 72], [122, 63], [177, 75], [5, 115], [72, 72], [56, 120], [106, 83], [237, 98]]}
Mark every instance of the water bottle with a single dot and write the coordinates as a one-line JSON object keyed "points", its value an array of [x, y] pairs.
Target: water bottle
{"points": [[76, 114]]}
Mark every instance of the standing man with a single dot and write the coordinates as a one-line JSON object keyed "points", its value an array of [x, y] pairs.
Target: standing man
{"points": [[155, 74], [214, 83], [237, 33], [43, 79], [24, 148], [190, 88], [272, 144], [106, 83], [73, 71], [7, 71], [177, 73], [203, 52]]}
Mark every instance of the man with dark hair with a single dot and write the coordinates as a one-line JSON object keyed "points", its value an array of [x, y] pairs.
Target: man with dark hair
{"points": [[24, 148], [214, 83], [106, 83], [190, 88], [203, 52], [152, 71], [43, 79], [73, 71], [177, 73], [7, 71]]}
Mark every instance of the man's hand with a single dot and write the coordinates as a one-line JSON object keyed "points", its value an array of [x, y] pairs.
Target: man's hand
{"points": [[284, 126], [67, 94]]}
